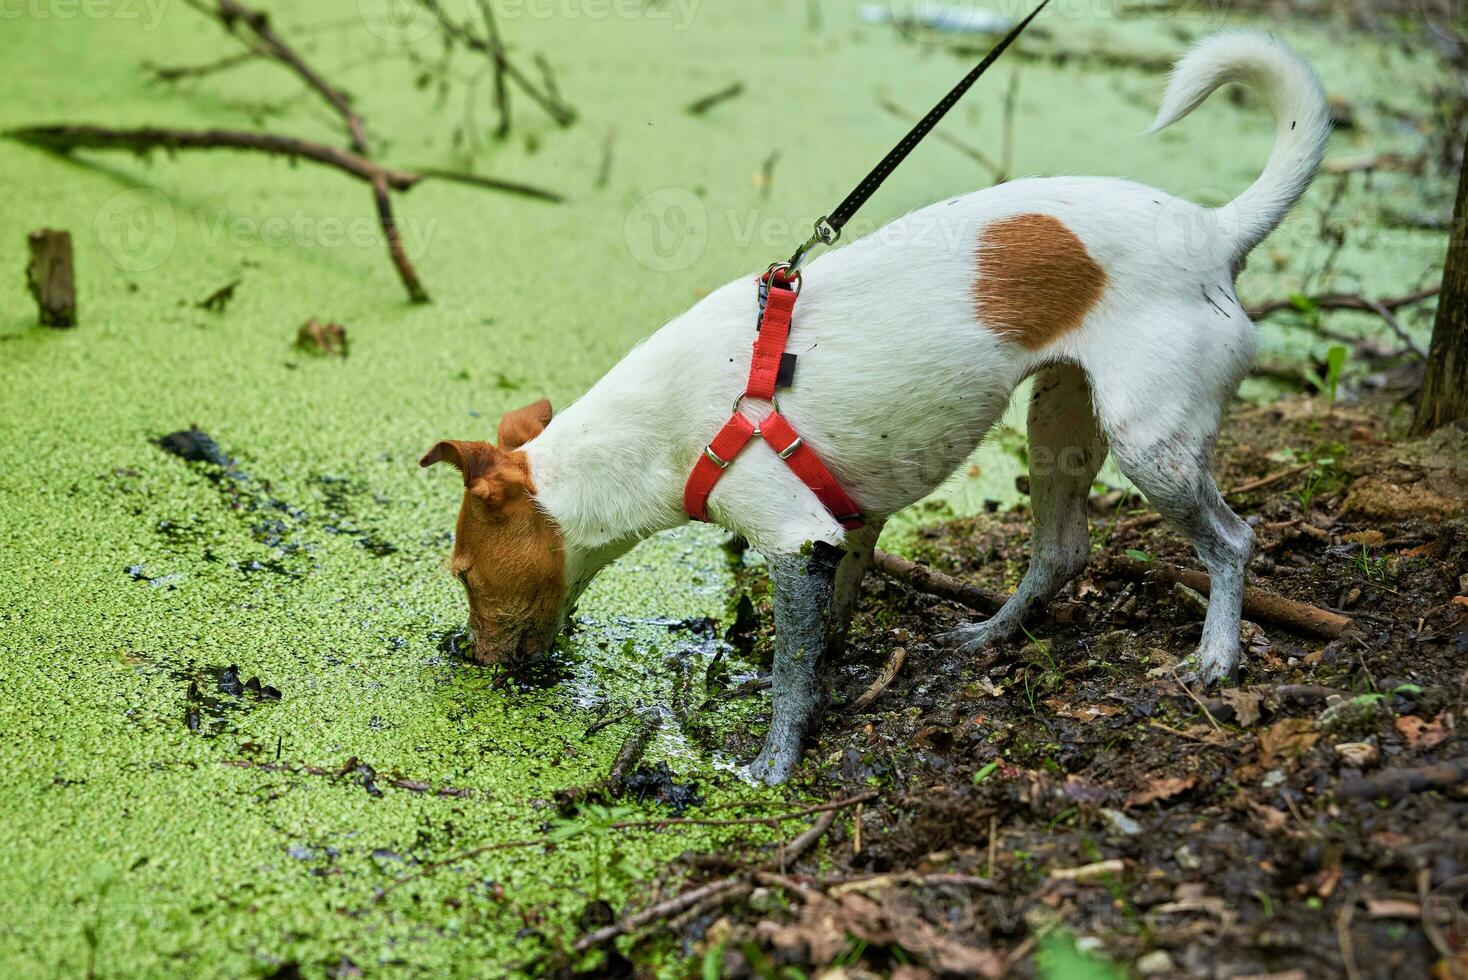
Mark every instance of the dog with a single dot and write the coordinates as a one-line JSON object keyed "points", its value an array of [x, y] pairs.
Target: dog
{"points": [[1118, 298]]}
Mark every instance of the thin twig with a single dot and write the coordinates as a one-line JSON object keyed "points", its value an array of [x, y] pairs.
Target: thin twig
{"points": [[230, 13], [64, 139], [172, 73], [1196, 700], [1340, 301], [747, 821], [702, 105], [1396, 327]]}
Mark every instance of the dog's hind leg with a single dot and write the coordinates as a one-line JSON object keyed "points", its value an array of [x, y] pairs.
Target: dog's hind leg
{"points": [[1066, 450], [1172, 472], [1160, 402]]}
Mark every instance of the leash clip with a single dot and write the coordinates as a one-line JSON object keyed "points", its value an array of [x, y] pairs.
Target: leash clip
{"points": [[824, 233]]}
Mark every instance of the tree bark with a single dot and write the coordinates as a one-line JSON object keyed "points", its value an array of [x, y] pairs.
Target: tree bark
{"points": [[51, 277], [1444, 396]]}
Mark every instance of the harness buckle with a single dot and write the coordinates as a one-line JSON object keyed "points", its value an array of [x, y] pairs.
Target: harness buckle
{"points": [[789, 450], [722, 464]]}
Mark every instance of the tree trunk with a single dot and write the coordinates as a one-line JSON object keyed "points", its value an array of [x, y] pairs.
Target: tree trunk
{"points": [[51, 278], [1444, 396]]}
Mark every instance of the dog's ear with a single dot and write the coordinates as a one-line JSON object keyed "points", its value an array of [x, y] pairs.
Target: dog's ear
{"points": [[523, 424], [478, 461]]}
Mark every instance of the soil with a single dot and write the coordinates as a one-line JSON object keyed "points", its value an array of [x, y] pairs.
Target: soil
{"points": [[1070, 786]]}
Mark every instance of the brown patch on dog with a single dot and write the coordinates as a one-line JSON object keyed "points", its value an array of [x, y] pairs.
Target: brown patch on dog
{"points": [[507, 552], [1036, 280]]}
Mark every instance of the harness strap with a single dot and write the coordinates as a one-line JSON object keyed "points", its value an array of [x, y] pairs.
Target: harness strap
{"points": [[765, 376], [733, 437], [778, 432], [769, 343]]}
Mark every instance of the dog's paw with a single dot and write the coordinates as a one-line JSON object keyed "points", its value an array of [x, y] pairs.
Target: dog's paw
{"points": [[973, 637], [1207, 672], [772, 767]]}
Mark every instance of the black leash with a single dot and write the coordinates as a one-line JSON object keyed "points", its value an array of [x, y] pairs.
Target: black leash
{"points": [[828, 229]]}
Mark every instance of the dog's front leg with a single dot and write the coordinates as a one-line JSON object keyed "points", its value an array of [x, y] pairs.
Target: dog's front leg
{"points": [[804, 589]]}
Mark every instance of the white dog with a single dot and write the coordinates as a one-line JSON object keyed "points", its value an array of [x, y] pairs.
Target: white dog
{"points": [[910, 343]]}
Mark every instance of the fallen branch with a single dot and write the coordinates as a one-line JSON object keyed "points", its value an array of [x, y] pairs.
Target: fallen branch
{"points": [[1396, 783], [786, 853], [747, 821], [64, 139], [1259, 605], [1340, 301], [653, 913], [925, 579], [631, 752]]}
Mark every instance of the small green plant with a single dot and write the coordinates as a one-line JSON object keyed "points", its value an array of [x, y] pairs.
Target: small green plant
{"points": [[1322, 477], [1372, 569], [1335, 362], [985, 772], [1138, 555], [594, 824], [1041, 673]]}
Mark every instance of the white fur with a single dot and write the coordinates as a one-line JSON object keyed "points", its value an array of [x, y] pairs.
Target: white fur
{"points": [[898, 380]]}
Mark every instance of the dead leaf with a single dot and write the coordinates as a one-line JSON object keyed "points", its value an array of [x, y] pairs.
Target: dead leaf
{"points": [[1245, 705], [1286, 740], [1421, 734], [1161, 789], [1370, 538], [1081, 712]]}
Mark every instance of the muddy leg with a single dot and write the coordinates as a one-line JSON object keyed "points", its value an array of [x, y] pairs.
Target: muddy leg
{"points": [[804, 590], [1066, 450], [1173, 474]]}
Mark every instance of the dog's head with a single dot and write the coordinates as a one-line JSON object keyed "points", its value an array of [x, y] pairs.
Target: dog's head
{"points": [[507, 551]]}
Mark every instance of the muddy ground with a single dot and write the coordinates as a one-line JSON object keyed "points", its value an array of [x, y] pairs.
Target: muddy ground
{"points": [[1066, 806]]}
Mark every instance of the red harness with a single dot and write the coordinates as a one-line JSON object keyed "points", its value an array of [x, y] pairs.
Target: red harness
{"points": [[770, 368]]}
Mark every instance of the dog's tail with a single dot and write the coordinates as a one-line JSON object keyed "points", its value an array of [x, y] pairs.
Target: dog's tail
{"points": [[1302, 123]]}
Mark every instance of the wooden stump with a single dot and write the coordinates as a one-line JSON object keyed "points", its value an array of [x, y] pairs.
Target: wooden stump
{"points": [[51, 277]]}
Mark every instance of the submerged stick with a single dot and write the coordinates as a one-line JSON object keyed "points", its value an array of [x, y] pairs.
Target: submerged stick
{"points": [[631, 752], [51, 277]]}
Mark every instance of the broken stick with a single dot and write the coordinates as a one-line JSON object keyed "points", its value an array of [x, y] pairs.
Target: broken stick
{"points": [[925, 579], [51, 277], [1259, 605], [1396, 783]]}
